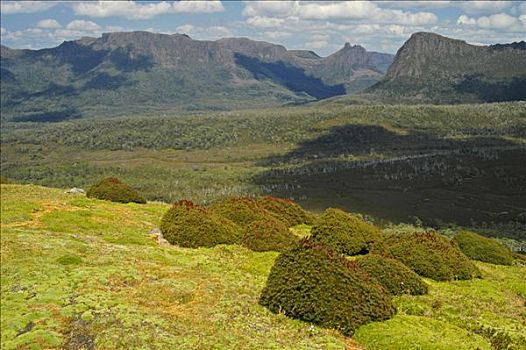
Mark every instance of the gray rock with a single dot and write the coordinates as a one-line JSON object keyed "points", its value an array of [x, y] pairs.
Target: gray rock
{"points": [[75, 190]]}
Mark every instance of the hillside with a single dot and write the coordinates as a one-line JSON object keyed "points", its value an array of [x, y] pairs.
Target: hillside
{"points": [[142, 71], [83, 273], [436, 68]]}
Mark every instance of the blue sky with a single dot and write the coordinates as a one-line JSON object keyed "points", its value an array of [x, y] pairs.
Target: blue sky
{"points": [[319, 26]]}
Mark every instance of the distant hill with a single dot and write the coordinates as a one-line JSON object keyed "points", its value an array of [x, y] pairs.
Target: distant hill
{"points": [[433, 67], [121, 73]]}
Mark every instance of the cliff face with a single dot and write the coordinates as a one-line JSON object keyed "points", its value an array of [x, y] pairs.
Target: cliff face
{"points": [[439, 68]]}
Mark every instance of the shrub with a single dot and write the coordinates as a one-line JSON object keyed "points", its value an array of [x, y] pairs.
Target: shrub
{"points": [[242, 210], [393, 275], [345, 233], [431, 255], [114, 190], [265, 235], [192, 226], [482, 248], [314, 284], [288, 211]]}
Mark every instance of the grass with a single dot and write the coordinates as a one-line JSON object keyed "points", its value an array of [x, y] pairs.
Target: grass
{"points": [[78, 272]]}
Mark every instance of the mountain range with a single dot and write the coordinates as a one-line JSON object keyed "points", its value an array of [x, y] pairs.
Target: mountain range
{"points": [[143, 72], [134, 71]]}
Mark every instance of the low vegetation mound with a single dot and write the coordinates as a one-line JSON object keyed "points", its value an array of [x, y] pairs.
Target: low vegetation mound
{"points": [[430, 255], [189, 225], [112, 189], [290, 212], [313, 283], [345, 233], [393, 275], [265, 235], [242, 210], [482, 248]]}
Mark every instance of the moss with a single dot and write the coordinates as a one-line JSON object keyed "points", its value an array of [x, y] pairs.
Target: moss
{"points": [[314, 284], [393, 275], [69, 260], [114, 190], [242, 210], [267, 235], [288, 211], [431, 255], [482, 248], [345, 233], [190, 225]]}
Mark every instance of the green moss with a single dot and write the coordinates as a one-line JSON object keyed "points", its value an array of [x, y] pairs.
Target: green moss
{"points": [[313, 284], [288, 211], [114, 190], [431, 255], [482, 248], [345, 233], [266, 235], [69, 260], [189, 225], [393, 275], [418, 333]]}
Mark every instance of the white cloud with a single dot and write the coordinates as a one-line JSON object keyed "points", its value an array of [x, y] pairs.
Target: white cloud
{"points": [[316, 45], [497, 21], [265, 22], [485, 7], [80, 24], [48, 24], [204, 33], [274, 35], [3, 31], [12, 7], [136, 10], [268, 13]]}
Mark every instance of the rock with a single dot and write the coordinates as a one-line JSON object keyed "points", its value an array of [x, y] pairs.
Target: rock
{"points": [[75, 190], [156, 232]]}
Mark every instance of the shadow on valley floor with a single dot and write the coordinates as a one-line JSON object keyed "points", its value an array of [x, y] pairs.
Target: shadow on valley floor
{"points": [[476, 182]]}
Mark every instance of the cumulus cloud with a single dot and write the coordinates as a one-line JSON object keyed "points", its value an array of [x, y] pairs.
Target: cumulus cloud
{"points": [[136, 10], [497, 21], [264, 12], [316, 45], [13, 7], [485, 7], [204, 33], [48, 24], [80, 24], [265, 22]]}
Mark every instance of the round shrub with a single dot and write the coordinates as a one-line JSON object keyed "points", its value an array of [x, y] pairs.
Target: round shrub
{"points": [[314, 284], [192, 226], [114, 190], [393, 275], [482, 248], [345, 233], [431, 255], [242, 210], [288, 211], [265, 235]]}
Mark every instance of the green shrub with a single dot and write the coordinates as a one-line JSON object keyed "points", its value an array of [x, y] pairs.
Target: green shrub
{"points": [[431, 255], [482, 248], [345, 233], [242, 210], [288, 211], [314, 284], [265, 235], [192, 226], [114, 190], [393, 275]]}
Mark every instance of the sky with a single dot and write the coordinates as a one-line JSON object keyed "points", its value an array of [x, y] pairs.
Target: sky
{"points": [[322, 27]]}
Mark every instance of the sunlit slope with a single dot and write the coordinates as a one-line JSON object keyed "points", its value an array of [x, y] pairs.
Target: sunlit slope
{"points": [[78, 272]]}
